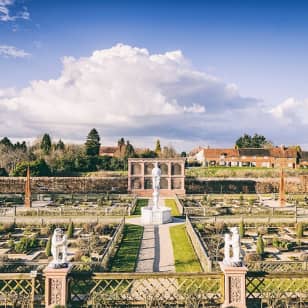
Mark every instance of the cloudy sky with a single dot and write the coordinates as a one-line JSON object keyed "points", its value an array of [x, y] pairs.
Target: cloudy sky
{"points": [[190, 73]]}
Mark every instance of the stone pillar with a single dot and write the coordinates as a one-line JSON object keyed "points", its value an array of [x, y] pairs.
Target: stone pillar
{"points": [[56, 286], [235, 286]]}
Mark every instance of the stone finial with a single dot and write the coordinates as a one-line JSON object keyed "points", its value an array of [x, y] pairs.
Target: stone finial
{"points": [[28, 199]]}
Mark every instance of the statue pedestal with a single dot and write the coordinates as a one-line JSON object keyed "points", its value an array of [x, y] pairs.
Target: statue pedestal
{"points": [[56, 286], [235, 286], [155, 216]]}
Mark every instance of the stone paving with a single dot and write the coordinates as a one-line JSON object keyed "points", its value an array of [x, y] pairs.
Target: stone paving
{"points": [[156, 251]]}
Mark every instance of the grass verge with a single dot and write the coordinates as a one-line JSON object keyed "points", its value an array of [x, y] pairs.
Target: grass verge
{"points": [[140, 203], [125, 258], [185, 258], [172, 204]]}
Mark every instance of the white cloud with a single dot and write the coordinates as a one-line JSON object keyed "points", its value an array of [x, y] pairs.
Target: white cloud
{"points": [[127, 91], [12, 52], [291, 110], [5, 14]]}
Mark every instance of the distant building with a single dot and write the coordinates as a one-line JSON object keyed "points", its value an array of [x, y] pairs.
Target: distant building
{"points": [[250, 157], [107, 151], [303, 161]]}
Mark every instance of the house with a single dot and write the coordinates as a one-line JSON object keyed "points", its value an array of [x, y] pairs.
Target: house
{"points": [[255, 157], [196, 155], [107, 151], [250, 157], [285, 157], [303, 161], [220, 157]]}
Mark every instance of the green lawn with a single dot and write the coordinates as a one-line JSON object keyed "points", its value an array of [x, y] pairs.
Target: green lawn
{"points": [[140, 203], [126, 257], [185, 258], [172, 204]]}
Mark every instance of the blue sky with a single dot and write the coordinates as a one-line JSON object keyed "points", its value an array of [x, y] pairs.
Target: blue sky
{"points": [[260, 47]]}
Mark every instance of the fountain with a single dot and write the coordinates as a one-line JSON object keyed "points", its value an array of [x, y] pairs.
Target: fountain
{"points": [[155, 213]]}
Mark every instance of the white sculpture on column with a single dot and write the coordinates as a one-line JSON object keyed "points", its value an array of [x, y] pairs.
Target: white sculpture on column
{"points": [[155, 214], [156, 173], [59, 246], [235, 243]]}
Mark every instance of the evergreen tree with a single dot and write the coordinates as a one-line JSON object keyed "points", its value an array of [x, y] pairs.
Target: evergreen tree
{"points": [[299, 230], [48, 247], [255, 141], [158, 147], [70, 230], [3, 172], [129, 150], [242, 229], [93, 143], [121, 147], [46, 144], [260, 246], [60, 146], [6, 142]]}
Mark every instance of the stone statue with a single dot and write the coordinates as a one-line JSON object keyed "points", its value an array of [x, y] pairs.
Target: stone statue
{"points": [[156, 173], [59, 249], [235, 243], [227, 259]]}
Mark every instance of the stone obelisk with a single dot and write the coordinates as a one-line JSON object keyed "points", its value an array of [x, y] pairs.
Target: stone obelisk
{"points": [[28, 199], [282, 189]]}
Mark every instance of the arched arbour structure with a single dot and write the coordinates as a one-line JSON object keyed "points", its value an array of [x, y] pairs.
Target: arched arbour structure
{"points": [[172, 175]]}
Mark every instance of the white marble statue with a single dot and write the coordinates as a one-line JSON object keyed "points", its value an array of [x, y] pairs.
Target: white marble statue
{"points": [[233, 241], [236, 245], [156, 173], [58, 248], [227, 259]]}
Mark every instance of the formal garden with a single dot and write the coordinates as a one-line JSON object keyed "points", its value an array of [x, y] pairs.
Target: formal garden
{"points": [[68, 205], [105, 254]]}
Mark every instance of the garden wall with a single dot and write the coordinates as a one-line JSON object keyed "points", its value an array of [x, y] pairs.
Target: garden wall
{"points": [[65, 184], [252, 186], [119, 185]]}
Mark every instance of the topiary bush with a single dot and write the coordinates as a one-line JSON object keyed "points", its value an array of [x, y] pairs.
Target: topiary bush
{"points": [[260, 246]]}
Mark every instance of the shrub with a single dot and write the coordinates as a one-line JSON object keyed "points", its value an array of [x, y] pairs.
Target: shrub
{"points": [[299, 230], [70, 230], [25, 244], [11, 244], [260, 246], [252, 257], [48, 247], [242, 229]]}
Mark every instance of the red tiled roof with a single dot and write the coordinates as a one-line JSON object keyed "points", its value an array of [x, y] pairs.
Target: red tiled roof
{"points": [[107, 150], [279, 152], [218, 152]]}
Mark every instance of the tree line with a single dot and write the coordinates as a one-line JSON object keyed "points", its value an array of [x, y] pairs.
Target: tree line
{"points": [[49, 158]]}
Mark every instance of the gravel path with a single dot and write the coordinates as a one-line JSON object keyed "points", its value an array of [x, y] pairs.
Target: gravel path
{"points": [[146, 257], [156, 251]]}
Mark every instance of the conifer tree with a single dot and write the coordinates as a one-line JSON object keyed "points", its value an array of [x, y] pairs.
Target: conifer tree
{"points": [[92, 143], [48, 247]]}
